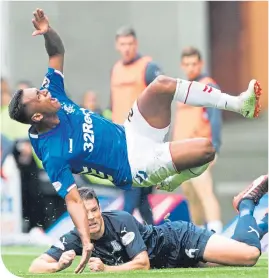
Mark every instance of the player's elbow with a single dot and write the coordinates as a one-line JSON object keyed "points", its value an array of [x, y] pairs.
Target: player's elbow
{"points": [[147, 265], [33, 268], [144, 263]]}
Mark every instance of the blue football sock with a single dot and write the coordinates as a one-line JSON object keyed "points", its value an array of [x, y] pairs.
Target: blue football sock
{"points": [[246, 206], [247, 231], [263, 226]]}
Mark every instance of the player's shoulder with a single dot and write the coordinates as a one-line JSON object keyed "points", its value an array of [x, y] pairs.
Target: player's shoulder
{"points": [[48, 140], [53, 161], [49, 151], [117, 219], [117, 215]]}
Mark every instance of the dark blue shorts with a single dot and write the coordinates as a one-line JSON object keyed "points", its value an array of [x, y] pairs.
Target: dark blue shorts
{"points": [[184, 245]]}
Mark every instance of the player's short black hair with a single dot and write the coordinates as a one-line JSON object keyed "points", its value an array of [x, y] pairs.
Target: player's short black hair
{"points": [[17, 110], [87, 193], [125, 31], [191, 51]]}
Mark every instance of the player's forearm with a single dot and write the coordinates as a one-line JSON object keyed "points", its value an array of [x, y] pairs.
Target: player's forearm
{"points": [[78, 214], [42, 266], [53, 43], [133, 265]]}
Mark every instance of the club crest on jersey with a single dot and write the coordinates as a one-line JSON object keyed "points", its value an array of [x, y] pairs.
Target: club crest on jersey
{"points": [[116, 246], [46, 82], [68, 108]]}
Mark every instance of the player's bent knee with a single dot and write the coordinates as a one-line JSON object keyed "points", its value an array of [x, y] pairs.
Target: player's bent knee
{"points": [[164, 84], [251, 256], [208, 150]]}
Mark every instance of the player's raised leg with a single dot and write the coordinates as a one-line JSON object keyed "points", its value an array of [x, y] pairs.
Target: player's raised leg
{"points": [[155, 102], [244, 248]]}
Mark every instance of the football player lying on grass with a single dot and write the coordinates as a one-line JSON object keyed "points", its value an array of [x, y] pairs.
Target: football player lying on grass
{"points": [[121, 243]]}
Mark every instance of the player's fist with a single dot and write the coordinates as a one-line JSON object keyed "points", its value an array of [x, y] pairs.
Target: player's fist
{"points": [[41, 22], [66, 259], [95, 264]]}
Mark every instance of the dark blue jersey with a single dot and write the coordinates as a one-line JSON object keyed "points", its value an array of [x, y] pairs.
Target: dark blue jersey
{"points": [[123, 239], [83, 142]]}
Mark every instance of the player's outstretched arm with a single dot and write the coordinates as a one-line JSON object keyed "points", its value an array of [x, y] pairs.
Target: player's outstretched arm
{"points": [[53, 42], [47, 264], [78, 214]]}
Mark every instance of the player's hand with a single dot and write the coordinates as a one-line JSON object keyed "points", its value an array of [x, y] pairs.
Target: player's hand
{"points": [[41, 22], [86, 254], [96, 265], [66, 259]]}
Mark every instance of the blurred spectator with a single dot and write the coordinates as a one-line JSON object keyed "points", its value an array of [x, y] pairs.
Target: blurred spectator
{"points": [[24, 84], [129, 77], [11, 129], [90, 102], [194, 122]]}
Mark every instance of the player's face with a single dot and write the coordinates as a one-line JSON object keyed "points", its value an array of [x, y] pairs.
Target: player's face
{"points": [[127, 47], [39, 103], [94, 217], [191, 66]]}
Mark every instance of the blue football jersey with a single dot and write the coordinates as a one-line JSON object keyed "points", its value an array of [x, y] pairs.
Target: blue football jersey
{"points": [[82, 143]]}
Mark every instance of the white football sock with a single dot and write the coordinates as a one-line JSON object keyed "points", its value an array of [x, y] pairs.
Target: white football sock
{"points": [[198, 94]]}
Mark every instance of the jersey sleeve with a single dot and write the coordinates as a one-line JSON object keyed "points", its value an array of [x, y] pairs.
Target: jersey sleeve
{"points": [[54, 83], [69, 241], [130, 235], [152, 71], [60, 175]]}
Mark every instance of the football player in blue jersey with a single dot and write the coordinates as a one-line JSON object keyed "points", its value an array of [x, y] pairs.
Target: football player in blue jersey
{"points": [[70, 139]]}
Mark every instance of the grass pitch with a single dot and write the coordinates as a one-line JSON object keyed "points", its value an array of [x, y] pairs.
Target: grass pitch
{"points": [[18, 259]]}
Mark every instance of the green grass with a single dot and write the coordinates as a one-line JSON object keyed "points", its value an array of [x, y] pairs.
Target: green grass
{"points": [[17, 261]]}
